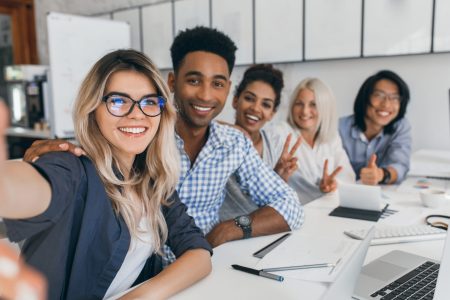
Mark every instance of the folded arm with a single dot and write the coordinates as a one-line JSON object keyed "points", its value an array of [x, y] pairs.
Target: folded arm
{"points": [[280, 210]]}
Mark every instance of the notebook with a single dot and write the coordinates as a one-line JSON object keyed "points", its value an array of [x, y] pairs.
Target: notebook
{"points": [[402, 275], [358, 201], [344, 284]]}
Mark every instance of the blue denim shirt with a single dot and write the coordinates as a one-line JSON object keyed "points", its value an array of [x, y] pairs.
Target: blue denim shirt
{"points": [[392, 150], [79, 243]]}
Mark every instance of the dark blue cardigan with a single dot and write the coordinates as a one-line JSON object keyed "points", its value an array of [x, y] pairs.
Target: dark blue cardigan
{"points": [[79, 243]]}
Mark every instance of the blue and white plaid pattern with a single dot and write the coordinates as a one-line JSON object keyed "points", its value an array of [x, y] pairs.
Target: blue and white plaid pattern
{"points": [[227, 151]]}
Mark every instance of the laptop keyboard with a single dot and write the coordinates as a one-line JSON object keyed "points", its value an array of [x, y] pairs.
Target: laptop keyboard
{"points": [[417, 284]]}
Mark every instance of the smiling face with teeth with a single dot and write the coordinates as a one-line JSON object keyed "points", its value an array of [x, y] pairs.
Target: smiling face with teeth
{"points": [[381, 113], [129, 135], [200, 88], [255, 106]]}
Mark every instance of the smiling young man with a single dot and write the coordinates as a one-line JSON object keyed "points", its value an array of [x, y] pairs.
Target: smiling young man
{"points": [[377, 137], [203, 59]]}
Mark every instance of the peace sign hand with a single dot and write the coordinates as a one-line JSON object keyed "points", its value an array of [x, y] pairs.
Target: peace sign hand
{"points": [[287, 163], [328, 183]]}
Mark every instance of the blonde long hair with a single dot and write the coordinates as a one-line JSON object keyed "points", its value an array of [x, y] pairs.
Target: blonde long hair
{"points": [[155, 172], [326, 129]]}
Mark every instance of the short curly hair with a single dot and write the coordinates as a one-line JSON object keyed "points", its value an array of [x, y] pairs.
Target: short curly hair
{"points": [[265, 73], [202, 39]]}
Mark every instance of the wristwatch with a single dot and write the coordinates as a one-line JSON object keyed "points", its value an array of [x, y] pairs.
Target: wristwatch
{"points": [[386, 176], [245, 223]]}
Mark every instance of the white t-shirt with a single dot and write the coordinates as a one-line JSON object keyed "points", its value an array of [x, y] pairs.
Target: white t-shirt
{"points": [[141, 248]]}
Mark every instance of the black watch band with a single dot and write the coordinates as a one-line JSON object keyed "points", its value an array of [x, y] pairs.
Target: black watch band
{"points": [[245, 223], [386, 176]]}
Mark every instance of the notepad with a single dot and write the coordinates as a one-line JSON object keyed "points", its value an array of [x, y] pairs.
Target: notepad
{"points": [[358, 201], [304, 249]]}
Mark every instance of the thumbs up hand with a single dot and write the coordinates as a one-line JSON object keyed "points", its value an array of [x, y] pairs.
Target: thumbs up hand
{"points": [[371, 175]]}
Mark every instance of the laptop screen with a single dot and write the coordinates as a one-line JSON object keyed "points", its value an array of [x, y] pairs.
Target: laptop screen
{"points": [[442, 287]]}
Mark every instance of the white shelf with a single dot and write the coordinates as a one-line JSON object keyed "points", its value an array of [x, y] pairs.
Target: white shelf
{"points": [[29, 133]]}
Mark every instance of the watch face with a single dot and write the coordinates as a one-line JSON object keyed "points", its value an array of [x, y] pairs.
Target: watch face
{"points": [[244, 221]]}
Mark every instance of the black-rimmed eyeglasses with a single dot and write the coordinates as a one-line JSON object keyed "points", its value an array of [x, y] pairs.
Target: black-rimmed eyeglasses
{"points": [[120, 105]]}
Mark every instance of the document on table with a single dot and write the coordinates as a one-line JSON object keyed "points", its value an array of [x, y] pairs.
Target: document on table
{"points": [[303, 249], [414, 185], [430, 163]]}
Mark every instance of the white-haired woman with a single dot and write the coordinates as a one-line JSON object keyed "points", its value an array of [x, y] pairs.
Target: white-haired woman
{"points": [[94, 225], [321, 157]]}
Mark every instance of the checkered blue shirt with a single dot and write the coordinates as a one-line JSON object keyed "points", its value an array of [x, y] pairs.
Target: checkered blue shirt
{"points": [[227, 151]]}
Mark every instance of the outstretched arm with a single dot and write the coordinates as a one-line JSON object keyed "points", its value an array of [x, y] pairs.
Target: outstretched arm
{"points": [[24, 193], [189, 268]]}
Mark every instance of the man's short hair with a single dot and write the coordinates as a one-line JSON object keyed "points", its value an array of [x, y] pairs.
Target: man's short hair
{"points": [[202, 39]]}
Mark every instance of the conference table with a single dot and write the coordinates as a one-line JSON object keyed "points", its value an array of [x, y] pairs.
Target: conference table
{"points": [[227, 283]]}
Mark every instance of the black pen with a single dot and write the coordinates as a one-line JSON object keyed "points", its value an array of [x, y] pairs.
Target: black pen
{"points": [[258, 272]]}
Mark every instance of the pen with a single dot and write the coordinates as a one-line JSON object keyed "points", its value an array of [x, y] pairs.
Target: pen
{"points": [[313, 266], [266, 249], [258, 272]]}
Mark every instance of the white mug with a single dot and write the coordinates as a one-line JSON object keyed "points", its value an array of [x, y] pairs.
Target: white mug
{"points": [[433, 198]]}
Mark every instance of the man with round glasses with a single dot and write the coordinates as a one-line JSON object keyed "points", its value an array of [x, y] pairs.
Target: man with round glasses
{"points": [[377, 137]]}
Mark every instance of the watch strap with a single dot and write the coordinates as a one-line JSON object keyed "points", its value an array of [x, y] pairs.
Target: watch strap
{"points": [[386, 176], [246, 229]]}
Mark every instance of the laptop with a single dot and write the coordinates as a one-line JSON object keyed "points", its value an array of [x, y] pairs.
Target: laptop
{"points": [[402, 275], [344, 284]]}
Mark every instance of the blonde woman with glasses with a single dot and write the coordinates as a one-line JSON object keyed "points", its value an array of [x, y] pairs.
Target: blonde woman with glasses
{"points": [[94, 225], [322, 161]]}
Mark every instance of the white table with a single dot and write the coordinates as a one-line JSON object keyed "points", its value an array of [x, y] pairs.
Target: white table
{"points": [[226, 283]]}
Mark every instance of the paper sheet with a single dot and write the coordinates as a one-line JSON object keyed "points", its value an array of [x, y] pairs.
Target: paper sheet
{"points": [[430, 163], [415, 184], [302, 249]]}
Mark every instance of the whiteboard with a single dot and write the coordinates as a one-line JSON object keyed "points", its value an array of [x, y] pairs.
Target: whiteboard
{"points": [[277, 41], [191, 13], [442, 26], [157, 32], [132, 17], [74, 46], [397, 27], [332, 29], [236, 20]]}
